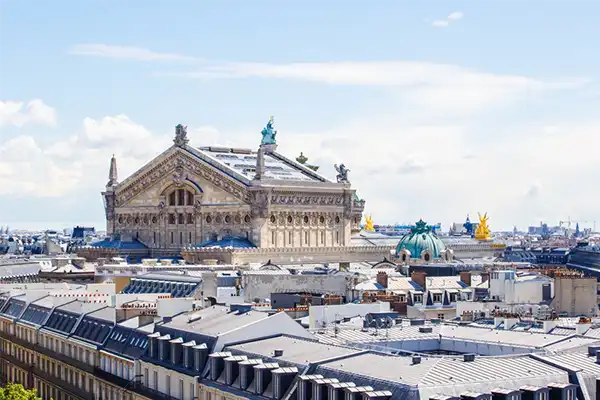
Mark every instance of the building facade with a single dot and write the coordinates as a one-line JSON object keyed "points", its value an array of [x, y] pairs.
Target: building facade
{"points": [[190, 195]]}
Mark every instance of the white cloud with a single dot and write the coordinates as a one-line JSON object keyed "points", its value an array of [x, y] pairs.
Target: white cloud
{"points": [[455, 15], [443, 23], [433, 86], [426, 154], [440, 23], [125, 52], [19, 113]]}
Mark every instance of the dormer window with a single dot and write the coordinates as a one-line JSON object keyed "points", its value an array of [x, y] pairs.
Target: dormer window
{"points": [[437, 297], [418, 298]]}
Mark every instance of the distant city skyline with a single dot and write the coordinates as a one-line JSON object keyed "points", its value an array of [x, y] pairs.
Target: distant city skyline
{"points": [[439, 109]]}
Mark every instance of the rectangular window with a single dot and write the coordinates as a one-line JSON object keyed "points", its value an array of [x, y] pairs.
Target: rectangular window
{"points": [[322, 237], [154, 237], [337, 238], [189, 237], [181, 389], [543, 396], [172, 199], [155, 380], [146, 377], [191, 396], [168, 384], [437, 298], [290, 238], [305, 237], [180, 219], [190, 219], [570, 395], [273, 237], [172, 241], [418, 298], [172, 219], [181, 197], [190, 198], [180, 238]]}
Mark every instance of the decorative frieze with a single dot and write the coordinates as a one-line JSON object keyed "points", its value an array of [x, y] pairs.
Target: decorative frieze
{"points": [[182, 166], [316, 219], [307, 199]]}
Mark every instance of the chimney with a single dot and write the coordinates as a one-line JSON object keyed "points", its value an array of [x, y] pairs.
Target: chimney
{"points": [[582, 327], [549, 325], [382, 279], [465, 277], [420, 278]]}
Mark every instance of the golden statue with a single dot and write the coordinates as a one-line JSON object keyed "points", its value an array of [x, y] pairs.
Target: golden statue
{"points": [[369, 224], [483, 230]]}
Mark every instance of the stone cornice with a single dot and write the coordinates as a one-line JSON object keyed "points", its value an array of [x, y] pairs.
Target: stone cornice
{"points": [[290, 250], [163, 165]]}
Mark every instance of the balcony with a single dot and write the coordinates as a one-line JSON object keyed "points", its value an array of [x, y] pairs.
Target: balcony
{"points": [[48, 352], [64, 386], [132, 386]]}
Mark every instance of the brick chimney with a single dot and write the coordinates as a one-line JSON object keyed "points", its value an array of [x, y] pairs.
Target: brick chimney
{"points": [[419, 277], [382, 279], [465, 277]]}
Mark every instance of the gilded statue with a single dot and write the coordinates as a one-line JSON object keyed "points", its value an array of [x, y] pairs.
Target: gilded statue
{"points": [[483, 230], [369, 224]]}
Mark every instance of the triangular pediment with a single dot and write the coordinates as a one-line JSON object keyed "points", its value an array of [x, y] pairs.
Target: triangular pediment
{"points": [[181, 165]]}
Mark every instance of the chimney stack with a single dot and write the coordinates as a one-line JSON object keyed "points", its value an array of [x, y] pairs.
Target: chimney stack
{"points": [[419, 277], [382, 279], [465, 277]]}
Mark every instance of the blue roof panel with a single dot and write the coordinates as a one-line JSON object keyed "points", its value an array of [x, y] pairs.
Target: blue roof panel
{"points": [[230, 241]]}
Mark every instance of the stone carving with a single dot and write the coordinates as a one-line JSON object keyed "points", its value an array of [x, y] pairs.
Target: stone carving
{"points": [[299, 198], [157, 173], [180, 136], [260, 204], [179, 176], [342, 176], [268, 133]]}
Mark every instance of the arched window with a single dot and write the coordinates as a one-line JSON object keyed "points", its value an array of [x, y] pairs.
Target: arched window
{"points": [[181, 197]]}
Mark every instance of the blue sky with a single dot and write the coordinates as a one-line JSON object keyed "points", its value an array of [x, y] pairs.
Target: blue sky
{"points": [[380, 85]]}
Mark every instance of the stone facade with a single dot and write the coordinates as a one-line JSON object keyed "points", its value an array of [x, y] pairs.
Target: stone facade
{"points": [[187, 196]]}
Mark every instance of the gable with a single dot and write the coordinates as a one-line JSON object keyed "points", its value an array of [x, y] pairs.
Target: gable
{"points": [[180, 165]]}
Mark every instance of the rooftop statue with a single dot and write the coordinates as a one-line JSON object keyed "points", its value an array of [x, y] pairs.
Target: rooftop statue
{"points": [[342, 176], [269, 133], [420, 227], [483, 230], [369, 224], [180, 135]]}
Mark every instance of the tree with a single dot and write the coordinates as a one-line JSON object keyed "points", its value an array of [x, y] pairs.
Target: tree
{"points": [[16, 391]]}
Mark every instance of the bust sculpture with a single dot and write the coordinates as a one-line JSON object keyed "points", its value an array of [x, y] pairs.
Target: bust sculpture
{"points": [[269, 133]]}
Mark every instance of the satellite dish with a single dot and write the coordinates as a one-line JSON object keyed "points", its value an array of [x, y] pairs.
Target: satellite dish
{"points": [[369, 320], [380, 323]]}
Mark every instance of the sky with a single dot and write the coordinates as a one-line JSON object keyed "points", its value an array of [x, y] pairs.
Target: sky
{"points": [[439, 108]]}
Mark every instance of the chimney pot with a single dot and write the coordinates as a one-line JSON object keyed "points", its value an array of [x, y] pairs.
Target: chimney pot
{"points": [[277, 353]]}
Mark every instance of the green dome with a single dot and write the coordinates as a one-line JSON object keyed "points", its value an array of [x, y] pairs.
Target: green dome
{"points": [[420, 239]]}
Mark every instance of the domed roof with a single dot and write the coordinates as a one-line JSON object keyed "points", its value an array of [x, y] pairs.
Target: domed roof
{"points": [[419, 239]]}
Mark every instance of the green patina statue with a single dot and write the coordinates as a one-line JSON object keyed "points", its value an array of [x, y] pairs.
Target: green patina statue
{"points": [[269, 133]]}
